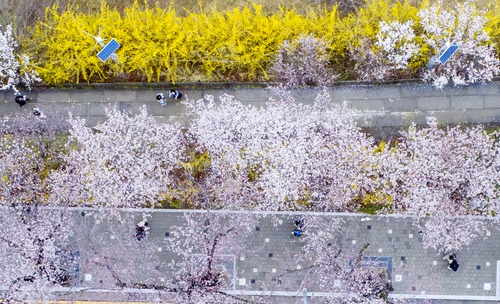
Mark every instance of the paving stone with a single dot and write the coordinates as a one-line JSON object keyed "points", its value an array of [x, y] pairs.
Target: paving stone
{"points": [[397, 105], [391, 92], [491, 101], [421, 90], [251, 95], [449, 117], [483, 116], [119, 96], [367, 105], [55, 96], [408, 104], [217, 93], [13, 108], [433, 103], [98, 109], [483, 89], [350, 93], [192, 94], [92, 121], [87, 96], [76, 109], [467, 102]]}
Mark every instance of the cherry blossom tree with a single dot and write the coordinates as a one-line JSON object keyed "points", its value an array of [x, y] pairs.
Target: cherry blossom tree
{"points": [[287, 155], [32, 235], [32, 253], [388, 55], [30, 149], [14, 69], [475, 61], [447, 179], [18, 166], [303, 61], [124, 162]]}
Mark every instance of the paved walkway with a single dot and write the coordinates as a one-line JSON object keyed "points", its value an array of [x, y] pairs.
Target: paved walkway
{"points": [[377, 105], [415, 272]]}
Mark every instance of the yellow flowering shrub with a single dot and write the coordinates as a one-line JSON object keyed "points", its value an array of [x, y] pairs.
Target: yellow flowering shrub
{"points": [[158, 45], [493, 24]]}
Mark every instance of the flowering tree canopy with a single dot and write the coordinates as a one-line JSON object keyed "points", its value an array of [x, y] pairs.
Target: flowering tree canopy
{"points": [[13, 70], [438, 175], [303, 62], [388, 54], [206, 245], [288, 155], [18, 171], [125, 162], [475, 60]]}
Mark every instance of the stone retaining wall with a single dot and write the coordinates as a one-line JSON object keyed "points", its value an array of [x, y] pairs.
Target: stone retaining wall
{"points": [[377, 105]]}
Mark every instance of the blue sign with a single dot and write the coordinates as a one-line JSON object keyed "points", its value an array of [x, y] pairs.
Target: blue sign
{"points": [[108, 50], [448, 52]]}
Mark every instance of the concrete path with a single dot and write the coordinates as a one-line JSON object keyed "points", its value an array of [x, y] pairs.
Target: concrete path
{"points": [[382, 105], [415, 272]]}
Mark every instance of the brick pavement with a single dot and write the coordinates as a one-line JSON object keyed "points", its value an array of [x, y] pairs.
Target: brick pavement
{"points": [[416, 272]]}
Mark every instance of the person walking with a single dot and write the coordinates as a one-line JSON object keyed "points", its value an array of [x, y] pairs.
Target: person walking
{"points": [[161, 99], [175, 94], [142, 230], [299, 226], [21, 100], [452, 261], [38, 113]]}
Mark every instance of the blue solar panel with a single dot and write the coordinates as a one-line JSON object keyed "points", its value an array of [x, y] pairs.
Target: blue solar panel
{"points": [[108, 50], [449, 51]]}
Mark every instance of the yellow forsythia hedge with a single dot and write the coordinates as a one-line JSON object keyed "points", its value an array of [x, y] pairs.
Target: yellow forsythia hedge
{"points": [[160, 46]]}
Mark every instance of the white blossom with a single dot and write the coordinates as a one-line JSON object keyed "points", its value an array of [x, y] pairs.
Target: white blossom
{"points": [[126, 162], [387, 55], [446, 179], [13, 69], [288, 155], [303, 61], [475, 60]]}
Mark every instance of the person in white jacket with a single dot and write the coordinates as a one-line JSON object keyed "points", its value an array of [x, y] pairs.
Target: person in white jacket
{"points": [[161, 99]]}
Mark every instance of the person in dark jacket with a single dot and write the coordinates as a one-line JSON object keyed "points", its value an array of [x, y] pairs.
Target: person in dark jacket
{"points": [[299, 226], [452, 260], [454, 265], [175, 94], [21, 100], [142, 230]]}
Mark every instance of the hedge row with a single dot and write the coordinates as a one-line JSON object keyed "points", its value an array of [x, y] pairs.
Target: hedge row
{"points": [[159, 46]]}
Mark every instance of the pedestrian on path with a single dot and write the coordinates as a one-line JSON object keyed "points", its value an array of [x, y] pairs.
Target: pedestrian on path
{"points": [[299, 226], [161, 99], [142, 230], [38, 113], [21, 100], [452, 261], [175, 94]]}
